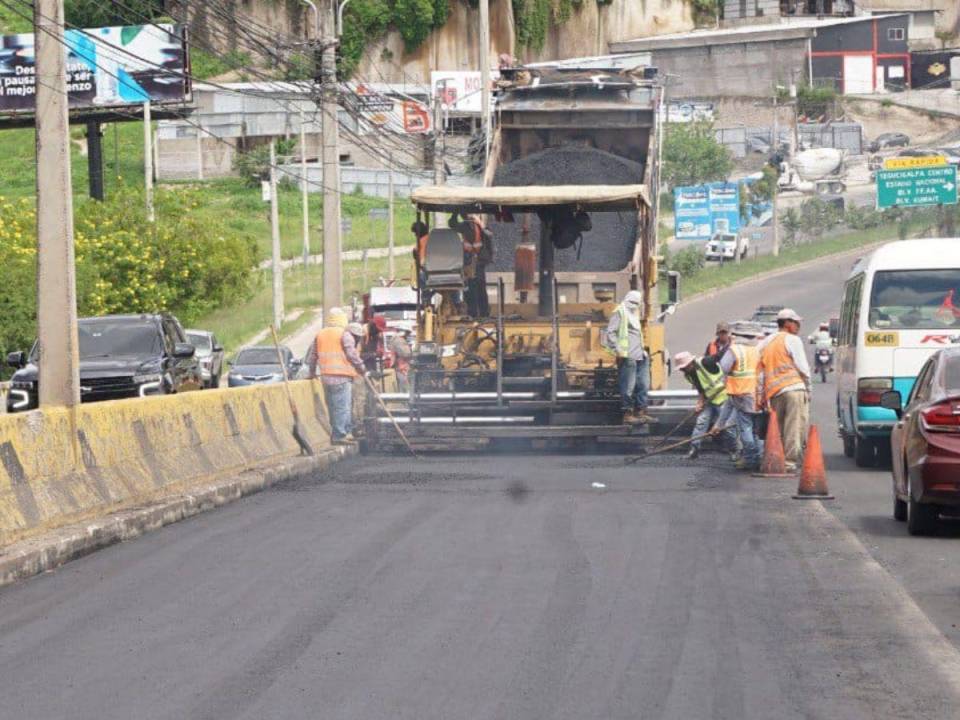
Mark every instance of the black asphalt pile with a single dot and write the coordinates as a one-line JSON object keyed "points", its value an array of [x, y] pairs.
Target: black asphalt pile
{"points": [[609, 245]]}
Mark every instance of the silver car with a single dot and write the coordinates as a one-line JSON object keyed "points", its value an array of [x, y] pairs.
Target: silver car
{"points": [[210, 355]]}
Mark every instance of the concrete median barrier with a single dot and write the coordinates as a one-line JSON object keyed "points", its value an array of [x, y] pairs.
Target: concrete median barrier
{"points": [[62, 468]]}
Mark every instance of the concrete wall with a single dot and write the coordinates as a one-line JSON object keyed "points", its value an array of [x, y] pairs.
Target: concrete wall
{"points": [[741, 70], [59, 467]]}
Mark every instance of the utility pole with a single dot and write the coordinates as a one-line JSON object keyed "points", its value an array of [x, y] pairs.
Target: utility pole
{"points": [[304, 198], [391, 265], [95, 159], [438, 145], [332, 271], [776, 189], [277, 262], [59, 374], [148, 160], [485, 77]]}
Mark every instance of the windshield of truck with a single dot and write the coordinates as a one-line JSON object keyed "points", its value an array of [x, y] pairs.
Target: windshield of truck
{"points": [[200, 341], [111, 338], [904, 299], [396, 312]]}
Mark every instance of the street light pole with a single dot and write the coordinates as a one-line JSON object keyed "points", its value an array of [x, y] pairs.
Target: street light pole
{"points": [[485, 77], [59, 374]]}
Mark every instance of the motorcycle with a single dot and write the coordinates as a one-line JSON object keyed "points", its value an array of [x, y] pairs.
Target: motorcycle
{"points": [[823, 362]]}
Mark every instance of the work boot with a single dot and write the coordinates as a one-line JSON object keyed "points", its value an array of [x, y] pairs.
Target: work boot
{"points": [[693, 454], [744, 464], [642, 417], [630, 417]]}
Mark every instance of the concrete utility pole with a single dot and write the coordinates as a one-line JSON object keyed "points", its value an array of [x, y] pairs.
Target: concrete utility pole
{"points": [[277, 263], [391, 265], [332, 270], [59, 374], [304, 197], [485, 76], [776, 189], [148, 160]]}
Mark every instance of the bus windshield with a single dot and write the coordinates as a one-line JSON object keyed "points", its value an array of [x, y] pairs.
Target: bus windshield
{"points": [[904, 299]]}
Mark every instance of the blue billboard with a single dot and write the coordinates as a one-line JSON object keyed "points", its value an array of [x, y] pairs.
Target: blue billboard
{"points": [[701, 211]]}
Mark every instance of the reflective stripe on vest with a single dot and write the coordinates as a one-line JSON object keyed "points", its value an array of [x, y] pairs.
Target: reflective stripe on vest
{"points": [[779, 371], [713, 385], [742, 379], [331, 359]]}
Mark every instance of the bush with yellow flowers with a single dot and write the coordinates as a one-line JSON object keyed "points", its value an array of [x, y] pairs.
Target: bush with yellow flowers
{"points": [[182, 263]]}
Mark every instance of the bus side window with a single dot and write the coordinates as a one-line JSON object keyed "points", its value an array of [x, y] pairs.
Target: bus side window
{"points": [[855, 309]]}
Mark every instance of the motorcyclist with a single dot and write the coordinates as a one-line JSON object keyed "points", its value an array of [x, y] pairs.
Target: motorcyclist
{"points": [[821, 338]]}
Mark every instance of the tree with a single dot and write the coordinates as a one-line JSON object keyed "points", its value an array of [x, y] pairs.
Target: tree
{"points": [[101, 13], [692, 155]]}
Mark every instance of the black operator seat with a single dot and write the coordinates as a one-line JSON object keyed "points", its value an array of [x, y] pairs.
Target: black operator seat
{"points": [[443, 266]]}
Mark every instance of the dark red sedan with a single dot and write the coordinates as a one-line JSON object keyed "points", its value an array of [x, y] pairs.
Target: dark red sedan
{"points": [[925, 444]]}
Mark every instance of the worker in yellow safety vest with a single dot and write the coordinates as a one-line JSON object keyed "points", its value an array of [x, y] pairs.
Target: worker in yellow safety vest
{"points": [[784, 382], [624, 338], [739, 363], [707, 379], [334, 357]]}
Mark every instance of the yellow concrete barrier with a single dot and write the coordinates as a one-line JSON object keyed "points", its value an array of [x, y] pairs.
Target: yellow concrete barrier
{"points": [[61, 466]]}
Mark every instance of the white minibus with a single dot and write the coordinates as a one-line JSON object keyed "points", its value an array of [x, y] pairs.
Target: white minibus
{"points": [[901, 304]]}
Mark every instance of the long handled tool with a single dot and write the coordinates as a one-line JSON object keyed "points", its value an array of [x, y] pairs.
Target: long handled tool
{"points": [[396, 425], [673, 446], [663, 440], [298, 434]]}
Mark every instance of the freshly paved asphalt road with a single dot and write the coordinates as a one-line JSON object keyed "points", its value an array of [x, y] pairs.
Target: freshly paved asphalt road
{"points": [[508, 587]]}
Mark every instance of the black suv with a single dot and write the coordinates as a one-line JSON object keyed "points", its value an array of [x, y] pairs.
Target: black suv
{"points": [[121, 356]]}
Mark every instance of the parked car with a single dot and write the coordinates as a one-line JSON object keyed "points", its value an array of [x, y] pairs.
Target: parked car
{"points": [[952, 154], [724, 246], [121, 356], [210, 355], [260, 366], [925, 443], [889, 140]]}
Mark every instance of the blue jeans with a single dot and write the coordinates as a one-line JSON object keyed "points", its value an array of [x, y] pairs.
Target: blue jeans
{"points": [[634, 383], [706, 420], [340, 406], [744, 424]]}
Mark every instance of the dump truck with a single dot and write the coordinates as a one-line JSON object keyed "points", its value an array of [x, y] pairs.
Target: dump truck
{"points": [[568, 199]]}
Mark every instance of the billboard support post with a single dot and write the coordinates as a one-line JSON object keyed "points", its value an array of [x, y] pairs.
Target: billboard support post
{"points": [[148, 160], [59, 374], [276, 260], [95, 159]]}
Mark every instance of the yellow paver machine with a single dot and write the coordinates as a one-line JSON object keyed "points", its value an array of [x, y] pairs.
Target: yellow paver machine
{"points": [[567, 203]]}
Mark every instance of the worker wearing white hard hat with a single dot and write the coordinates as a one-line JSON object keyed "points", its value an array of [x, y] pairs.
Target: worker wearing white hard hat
{"points": [[706, 377], [784, 383], [624, 338]]}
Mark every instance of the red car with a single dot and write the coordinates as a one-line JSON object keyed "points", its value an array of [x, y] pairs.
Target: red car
{"points": [[925, 444]]}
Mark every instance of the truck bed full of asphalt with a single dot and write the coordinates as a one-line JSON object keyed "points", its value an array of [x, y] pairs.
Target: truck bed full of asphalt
{"points": [[609, 245]]}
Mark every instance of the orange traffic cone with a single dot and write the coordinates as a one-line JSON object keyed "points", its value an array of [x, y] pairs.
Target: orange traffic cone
{"points": [[774, 463], [813, 476]]}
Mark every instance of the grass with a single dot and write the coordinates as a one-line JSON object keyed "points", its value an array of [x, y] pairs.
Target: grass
{"points": [[715, 277], [229, 201], [236, 324]]}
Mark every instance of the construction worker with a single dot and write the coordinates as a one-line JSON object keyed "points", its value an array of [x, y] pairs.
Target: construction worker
{"points": [[784, 383], [707, 379], [334, 356], [624, 338], [739, 363], [477, 254], [402, 354], [718, 346]]}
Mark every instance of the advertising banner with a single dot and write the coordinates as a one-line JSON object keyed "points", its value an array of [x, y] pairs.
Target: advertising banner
{"points": [[106, 68], [459, 90], [703, 210]]}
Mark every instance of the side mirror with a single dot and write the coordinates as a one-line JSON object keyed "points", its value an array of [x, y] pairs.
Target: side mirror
{"points": [[17, 359], [892, 400], [183, 351], [218, 348], [673, 287]]}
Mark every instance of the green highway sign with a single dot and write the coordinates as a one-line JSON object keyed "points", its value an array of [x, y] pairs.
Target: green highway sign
{"points": [[917, 186]]}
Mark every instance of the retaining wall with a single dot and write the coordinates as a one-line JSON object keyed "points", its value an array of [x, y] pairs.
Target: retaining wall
{"points": [[61, 466]]}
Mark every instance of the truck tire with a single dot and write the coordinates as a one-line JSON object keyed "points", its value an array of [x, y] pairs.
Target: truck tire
{"points": [[863, 453]]}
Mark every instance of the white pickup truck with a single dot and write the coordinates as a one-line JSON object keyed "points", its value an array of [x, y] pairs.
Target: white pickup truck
{"points": [[723, 246]]}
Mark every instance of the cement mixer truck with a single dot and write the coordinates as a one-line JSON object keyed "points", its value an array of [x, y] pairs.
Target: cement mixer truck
{"points": [[820, 171]]}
